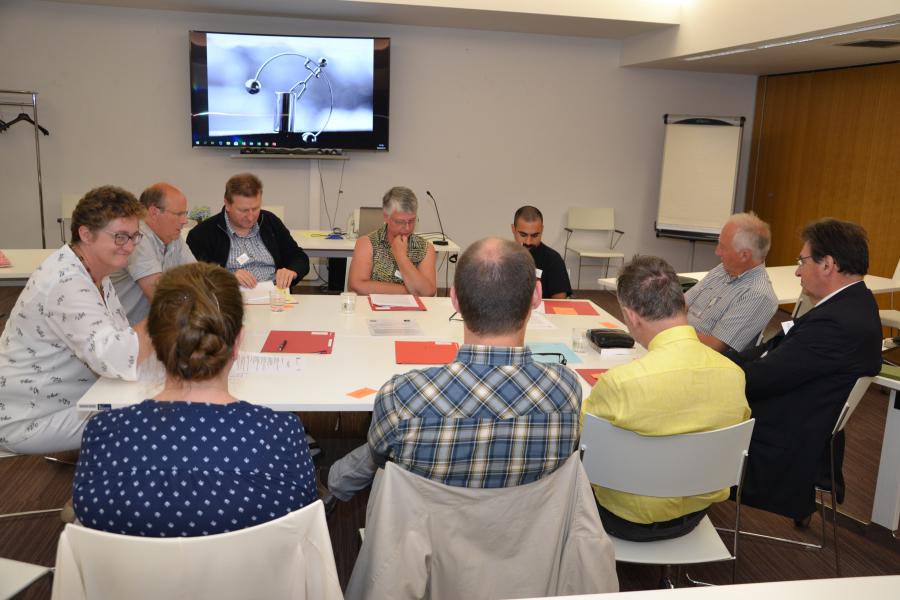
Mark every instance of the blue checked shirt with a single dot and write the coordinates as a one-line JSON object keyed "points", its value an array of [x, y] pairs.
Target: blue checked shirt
{"points": [[260, 262], [492, 418]]}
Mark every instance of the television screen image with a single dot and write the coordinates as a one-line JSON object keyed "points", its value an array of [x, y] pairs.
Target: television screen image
{"points": [[256, 91]]}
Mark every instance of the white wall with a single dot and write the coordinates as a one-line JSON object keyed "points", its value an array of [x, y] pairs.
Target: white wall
{"points": [[487, 121], [708, 25]]}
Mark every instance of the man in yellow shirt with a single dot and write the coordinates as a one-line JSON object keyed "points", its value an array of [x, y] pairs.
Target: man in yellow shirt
{"points": [[679, 386]]}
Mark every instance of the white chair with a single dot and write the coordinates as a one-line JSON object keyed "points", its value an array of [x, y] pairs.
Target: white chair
{"points": [[853, 399], [601, 221], [669, 466], [15, 576], [288, 558], [891, 317], [424, 539], [69, 202]]}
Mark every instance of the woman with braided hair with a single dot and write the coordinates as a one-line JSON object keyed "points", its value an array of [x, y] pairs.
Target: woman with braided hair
{"points": [[193, 460]]}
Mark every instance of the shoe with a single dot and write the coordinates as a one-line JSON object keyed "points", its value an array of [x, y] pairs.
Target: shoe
{"points": [[804, 522], [325, 494]]}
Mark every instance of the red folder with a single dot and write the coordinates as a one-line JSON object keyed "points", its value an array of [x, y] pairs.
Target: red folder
{"points": [[591, 375], [425, 353], [299, 342], [381, 308], [565, 307]]}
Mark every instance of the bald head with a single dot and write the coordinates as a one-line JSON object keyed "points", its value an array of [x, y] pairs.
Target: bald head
{"points": [[166, 210], [494, 283]]}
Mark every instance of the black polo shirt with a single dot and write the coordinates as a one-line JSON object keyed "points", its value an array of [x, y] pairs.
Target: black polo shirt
{"points": [[554, 276]]}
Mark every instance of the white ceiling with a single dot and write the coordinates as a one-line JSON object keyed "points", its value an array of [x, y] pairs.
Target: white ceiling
{"points": [[819, 54]]}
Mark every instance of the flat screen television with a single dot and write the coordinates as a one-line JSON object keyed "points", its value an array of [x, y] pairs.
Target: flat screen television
{"points": [[275, 91]]}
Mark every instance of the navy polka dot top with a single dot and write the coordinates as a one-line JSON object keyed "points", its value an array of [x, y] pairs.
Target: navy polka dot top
{"points": [[166, 469]]}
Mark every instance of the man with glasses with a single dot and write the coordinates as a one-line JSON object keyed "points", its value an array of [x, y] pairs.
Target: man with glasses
{"points": [[161, 249], [798, 382], [392, 259], [494, 417], [250, 242], [679, 386], [735, 301]]}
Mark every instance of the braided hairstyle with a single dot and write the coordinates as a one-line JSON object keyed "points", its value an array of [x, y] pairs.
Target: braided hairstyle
{"points": [[195, 319]]}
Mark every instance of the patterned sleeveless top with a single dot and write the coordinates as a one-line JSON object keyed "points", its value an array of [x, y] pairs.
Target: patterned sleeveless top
{"points": [[383, 264]]}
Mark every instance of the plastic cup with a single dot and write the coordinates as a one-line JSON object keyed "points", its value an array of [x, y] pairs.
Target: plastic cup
{"points": [[277, 301], [579, 340], [348, 303]]}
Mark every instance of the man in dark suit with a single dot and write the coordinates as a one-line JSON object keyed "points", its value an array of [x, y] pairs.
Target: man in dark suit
{"points": [[798, 382]]}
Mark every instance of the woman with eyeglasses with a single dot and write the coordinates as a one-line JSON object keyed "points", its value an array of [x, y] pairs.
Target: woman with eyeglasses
{"points": [[392, 259], [68, 328]]}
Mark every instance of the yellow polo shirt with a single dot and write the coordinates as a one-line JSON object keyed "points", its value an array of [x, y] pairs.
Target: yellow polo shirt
{"points": [[679, 386]]}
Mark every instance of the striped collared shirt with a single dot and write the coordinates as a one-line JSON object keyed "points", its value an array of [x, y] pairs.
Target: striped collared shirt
{"points": [[733, 309], [257, 258], [492, 418]]}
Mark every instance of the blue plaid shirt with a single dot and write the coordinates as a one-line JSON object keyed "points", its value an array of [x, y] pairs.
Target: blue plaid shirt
{"points": [[492, 418]]}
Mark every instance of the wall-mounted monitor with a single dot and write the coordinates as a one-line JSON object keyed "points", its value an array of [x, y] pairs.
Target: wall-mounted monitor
{"points": [[275, 91]]}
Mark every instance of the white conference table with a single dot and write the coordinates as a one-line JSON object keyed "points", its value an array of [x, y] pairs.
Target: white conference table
{"points": [[884, 587], [358, 360], [785, 283], [24, 262]]}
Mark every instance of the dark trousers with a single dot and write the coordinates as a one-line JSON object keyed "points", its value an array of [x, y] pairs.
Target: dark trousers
{"points": [[649, 532]]}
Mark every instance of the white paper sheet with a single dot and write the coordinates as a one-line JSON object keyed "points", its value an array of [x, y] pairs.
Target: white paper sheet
{"points": [[398, 327], [265, 362], [539, 321], [260, 294], [404, 300]]}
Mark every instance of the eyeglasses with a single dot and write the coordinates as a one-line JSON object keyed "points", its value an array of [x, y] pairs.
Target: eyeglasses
{"points": [[121, 238], [800, 260], [453, 317], [404, 223], [560, 357], [179, 214]]}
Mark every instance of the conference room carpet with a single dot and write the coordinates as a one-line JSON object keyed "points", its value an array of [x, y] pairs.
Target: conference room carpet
{"points": [[28, 483]]}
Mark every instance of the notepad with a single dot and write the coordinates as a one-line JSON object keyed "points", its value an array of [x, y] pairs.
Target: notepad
{"points": [[569, 307], [591, 375], [395, 302], [425, 352], [299, 342]]}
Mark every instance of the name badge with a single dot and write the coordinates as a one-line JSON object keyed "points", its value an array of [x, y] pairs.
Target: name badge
{"points": [[398, 275], [538, 272], [243, 258]]}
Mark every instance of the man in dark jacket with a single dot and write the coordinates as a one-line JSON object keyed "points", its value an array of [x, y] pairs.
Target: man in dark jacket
{"points": [[251, 243], [798, 383]]}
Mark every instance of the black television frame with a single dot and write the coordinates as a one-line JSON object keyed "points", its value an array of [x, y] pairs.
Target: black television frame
{"points": [[377, 139]]}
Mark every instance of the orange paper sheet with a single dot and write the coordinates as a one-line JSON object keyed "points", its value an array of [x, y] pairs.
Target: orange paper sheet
{"points": [[569, 307], [361, 392], [591, 375], [425, 353]]}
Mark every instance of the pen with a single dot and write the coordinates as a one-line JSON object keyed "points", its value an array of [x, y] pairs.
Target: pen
{"points": [[281, 346]]}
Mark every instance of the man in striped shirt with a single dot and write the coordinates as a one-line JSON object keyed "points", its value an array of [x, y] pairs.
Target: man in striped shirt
{"points": [[734, 302], [494, 417]]}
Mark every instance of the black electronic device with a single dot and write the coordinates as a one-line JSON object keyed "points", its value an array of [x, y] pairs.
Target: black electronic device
{"points": [[264, 92], [686, 282], [610, 338], [443, 241]]}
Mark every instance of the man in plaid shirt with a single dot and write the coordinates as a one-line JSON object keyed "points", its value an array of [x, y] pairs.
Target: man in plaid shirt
{"points": [[492, 418]]}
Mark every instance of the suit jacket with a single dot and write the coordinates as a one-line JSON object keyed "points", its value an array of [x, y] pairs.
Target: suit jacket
{"points": [[209, 242], [796, 392]]}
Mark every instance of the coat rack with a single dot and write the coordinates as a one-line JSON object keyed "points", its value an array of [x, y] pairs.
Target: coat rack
{"points": [[30, 104]]}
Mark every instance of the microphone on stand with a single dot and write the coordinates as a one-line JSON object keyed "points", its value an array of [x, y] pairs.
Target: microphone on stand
{"points": [[441, 242]]}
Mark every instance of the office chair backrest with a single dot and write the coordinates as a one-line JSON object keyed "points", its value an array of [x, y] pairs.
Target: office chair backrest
{"points": [[288, 558], [673, 465], [370, 219], [596, 219], [856, 394]]}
